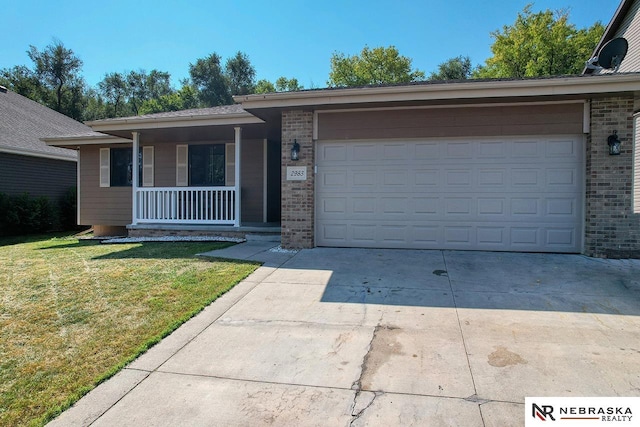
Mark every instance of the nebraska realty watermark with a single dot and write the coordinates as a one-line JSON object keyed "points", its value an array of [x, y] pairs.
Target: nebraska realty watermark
{"points": [[582, 411]]}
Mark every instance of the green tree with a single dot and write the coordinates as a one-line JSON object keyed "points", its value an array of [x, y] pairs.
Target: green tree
{"points": [[284, 84], [264, 86], [23, 81], [95, 108], [143, 87], [379, 65], [58, 70], [458, 68], [183, 99], [115, 89], [540, 44], [209, 80], [240, 74]]}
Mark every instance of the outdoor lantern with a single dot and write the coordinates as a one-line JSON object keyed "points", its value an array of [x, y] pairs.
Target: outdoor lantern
{"points": [[295, 150], [614, 144]]}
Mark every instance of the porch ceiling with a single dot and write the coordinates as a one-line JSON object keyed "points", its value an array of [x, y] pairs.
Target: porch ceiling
{"points": [[202, 133]]}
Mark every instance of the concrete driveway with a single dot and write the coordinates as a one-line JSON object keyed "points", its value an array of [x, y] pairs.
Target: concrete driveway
{"points": [[387, 337]]}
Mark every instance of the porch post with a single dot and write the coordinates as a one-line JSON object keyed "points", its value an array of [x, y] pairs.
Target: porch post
{"points": [[134, 177], [238, 132]]}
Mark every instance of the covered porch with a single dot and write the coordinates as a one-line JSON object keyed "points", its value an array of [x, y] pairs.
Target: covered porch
{"points": [[205, 171]]}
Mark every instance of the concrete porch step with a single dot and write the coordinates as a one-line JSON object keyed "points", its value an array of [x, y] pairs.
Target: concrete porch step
{"points": [[263, 237]]}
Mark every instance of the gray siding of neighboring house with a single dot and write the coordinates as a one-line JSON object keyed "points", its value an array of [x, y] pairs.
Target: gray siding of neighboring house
{"points": [[545, 119], [36, 176], [629, 29]]}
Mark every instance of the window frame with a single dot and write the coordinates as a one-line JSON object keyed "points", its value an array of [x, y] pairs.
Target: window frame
{"points": [[217, 153]]}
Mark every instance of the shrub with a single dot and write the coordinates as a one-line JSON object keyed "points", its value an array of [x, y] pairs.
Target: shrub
{"points": [[23, 214], [68, 210]]}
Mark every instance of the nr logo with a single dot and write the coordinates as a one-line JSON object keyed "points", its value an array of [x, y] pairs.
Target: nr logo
{"points": [[542, 412]]}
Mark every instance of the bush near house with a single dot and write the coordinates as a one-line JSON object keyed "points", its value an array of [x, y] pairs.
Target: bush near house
{"points": [[23, 214]]}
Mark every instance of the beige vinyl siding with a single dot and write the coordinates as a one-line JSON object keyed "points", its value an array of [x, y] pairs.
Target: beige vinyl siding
{"points": [[101, 205], [165, 165], [251, 169], [545, 119]]}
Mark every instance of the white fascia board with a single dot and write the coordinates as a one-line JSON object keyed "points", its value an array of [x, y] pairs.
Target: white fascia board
{"points": [[84, 140], [136, 123], [561, 86], [37, 154]]}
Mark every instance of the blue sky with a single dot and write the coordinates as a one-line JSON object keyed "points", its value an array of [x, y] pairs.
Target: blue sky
{"points": [[282, 38]]}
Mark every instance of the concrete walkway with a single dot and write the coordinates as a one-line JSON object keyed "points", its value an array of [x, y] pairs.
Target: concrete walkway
{"points": [[342, 337]]}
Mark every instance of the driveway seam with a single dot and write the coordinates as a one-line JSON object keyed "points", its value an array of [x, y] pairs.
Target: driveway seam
{"points": [[464, 343], [379, 392]]}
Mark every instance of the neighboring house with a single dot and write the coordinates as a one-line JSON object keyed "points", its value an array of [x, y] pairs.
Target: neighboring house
{"points": [[499, 165], [28, 165], [625, 23]]}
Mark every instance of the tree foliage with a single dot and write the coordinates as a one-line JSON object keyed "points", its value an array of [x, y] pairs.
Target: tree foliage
{"points": [[540, 44], [58, 70], [54, 80], [282, 84], [458, 68], [264, 86], [209, 79], [183, 99], [380, 65], [240, 74], [125, 93]]}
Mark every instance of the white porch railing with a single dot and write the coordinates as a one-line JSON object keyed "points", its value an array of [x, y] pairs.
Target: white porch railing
{"points": [[186, 205]]}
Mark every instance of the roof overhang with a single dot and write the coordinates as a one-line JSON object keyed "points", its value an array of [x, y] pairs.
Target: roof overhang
{"points": [[570, 87], [75, 141], [139, 123]]}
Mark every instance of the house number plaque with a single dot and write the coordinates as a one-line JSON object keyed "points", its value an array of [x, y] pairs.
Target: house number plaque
{"points": [[296, 173]]}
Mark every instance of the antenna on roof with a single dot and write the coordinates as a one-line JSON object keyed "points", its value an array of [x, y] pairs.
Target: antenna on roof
{"points": [[610, 56]]}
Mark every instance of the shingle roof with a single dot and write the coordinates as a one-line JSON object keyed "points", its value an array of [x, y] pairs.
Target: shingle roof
{"points": [[221, 110], [23, 122]]}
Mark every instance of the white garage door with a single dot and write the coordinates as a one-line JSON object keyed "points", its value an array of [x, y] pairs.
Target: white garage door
{"points": [[503, 194]]}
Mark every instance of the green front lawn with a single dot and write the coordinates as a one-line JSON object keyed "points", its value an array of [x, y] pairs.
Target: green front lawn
{"points": [[74, 312]]}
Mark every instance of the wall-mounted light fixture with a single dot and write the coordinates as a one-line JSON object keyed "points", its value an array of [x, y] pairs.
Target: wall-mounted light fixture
{"points": [[614, 144], [295, 150]]}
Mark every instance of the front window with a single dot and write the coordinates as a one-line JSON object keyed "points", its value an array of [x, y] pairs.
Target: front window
{"points": [[207, 165], [122, 167]]}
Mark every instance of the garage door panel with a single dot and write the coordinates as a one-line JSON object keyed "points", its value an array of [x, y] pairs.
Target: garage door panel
{"points": [[426, 150], [520, 194], [426, 178], [564, 148], [459, 150], [492, 178], [492, 150], [561, 178]]}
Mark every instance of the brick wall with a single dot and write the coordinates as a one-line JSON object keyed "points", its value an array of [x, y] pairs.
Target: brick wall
{"points": [[612, 230], [298, 207]]}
